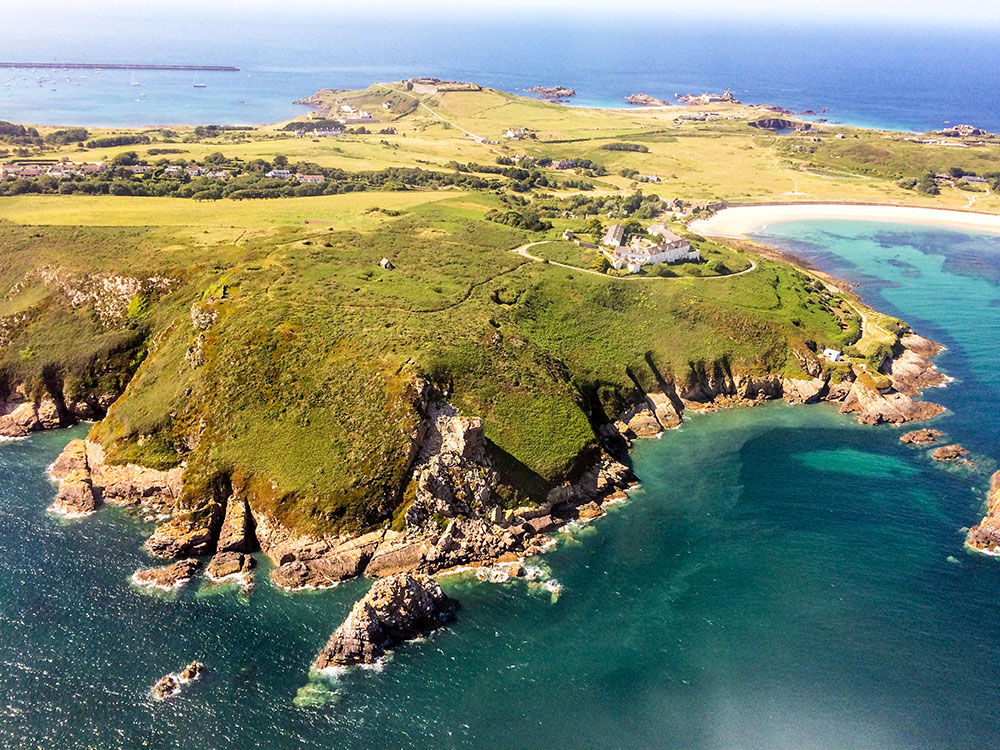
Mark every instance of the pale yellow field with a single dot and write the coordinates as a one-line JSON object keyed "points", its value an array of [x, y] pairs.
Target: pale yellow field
{"points": [[336, 211]]}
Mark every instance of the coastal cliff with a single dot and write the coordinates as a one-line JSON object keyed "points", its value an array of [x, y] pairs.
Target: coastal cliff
{"points": [[985, 536]]}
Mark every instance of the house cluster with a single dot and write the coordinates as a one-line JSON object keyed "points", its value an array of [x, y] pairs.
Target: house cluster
{"points": [[516, 134], [74, 169], [287, 174], [59, 170], [666, 247]]}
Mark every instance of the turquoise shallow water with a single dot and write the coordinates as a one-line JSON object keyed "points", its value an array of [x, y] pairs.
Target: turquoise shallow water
{"points": [[783, 578]]}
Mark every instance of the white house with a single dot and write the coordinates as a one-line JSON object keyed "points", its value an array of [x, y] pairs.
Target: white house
{"points": [[279, 174], [613, 235], [833, 355], [668, 248], [311, 179]]}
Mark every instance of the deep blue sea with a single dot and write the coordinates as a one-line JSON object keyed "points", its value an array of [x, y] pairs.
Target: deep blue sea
{"points": [[878, 75], [782, 578]]}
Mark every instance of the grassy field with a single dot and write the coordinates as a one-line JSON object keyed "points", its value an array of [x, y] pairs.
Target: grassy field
{"points": [[262, 340]]}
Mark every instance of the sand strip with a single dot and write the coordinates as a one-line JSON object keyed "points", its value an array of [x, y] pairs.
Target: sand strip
{"points": [[741, 220]]}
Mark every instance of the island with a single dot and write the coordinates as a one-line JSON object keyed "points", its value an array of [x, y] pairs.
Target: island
{"points": [[385, 339]]}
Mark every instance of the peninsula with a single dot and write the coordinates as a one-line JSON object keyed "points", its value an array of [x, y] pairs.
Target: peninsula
{"points": [[420, 328]]}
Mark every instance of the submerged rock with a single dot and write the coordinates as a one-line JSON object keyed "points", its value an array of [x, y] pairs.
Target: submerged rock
{"points": [[396, 609], [921, 437], [167, 577]]}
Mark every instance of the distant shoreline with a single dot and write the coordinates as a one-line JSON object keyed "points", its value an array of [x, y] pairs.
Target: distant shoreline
{"points": [[115, 66], [739, 221]]}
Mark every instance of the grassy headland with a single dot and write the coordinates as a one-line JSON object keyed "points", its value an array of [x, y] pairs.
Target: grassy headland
{"points": [[269, 344]]}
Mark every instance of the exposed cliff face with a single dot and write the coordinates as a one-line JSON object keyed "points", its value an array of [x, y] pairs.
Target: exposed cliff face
{"points": [[395, 609], [985, 536], [24, 411]]}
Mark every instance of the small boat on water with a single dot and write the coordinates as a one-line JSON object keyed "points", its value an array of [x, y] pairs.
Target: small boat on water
{"points": [[201, 85]]}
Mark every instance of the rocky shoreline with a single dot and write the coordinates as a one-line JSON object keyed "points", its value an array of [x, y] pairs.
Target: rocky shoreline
{"points": [[453, 519]]}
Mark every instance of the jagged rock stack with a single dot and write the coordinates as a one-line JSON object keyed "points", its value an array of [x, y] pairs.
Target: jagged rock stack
{"points": [[396, 609]]}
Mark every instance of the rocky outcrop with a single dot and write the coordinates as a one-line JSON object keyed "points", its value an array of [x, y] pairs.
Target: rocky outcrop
{"points": [[950, 453], [803, 391], [453, 473], [921, 437], [871, 406], [172, 684], [20, 415], [396, 609], [645, 100], [75, 497], [913, 371], [83, 462], [552, 92], [167, 577], [779, 123], [985, 536], [231, 566], [187, 533], [166, 687]]}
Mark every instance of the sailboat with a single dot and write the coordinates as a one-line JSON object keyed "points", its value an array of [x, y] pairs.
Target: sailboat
{"points": [[133, 82]]}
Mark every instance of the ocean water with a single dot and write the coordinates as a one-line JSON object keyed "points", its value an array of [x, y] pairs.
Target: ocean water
{"points": [[879, 75], [782, 578]]}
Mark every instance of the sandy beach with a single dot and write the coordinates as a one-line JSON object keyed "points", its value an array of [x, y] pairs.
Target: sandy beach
{"points": [[742, 220]]}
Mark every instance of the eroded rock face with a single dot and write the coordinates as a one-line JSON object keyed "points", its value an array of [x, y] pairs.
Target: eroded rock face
{"points": [[453, 473], [803, 391], [192, 533], [20, 415], [985, 536], [167, 577], [237, 533], [921, 437], [82, 467], [396, 609]]}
